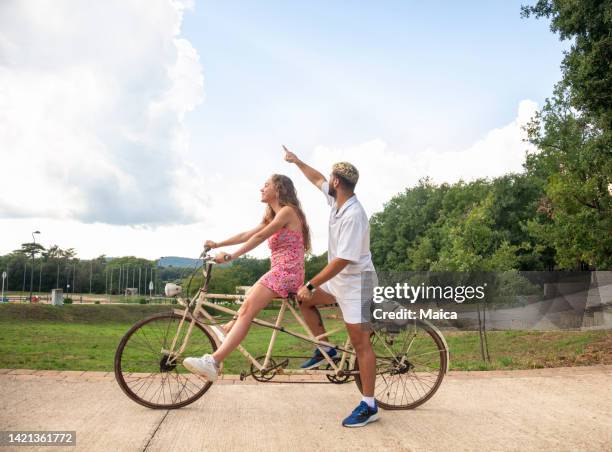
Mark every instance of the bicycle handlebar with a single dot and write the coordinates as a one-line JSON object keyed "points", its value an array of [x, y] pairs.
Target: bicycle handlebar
{"points": [[207, 257]]}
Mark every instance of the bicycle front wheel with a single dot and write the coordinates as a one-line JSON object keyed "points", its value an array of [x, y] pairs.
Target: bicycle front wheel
{"points": [[150, 373], [410, 366]]}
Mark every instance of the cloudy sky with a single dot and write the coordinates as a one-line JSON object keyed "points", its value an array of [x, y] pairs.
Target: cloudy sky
{"points": [[144, 127]]}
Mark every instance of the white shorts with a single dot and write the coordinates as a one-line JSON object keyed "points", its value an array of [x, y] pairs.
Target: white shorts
{"points": [[351, 309], [346, 289]]}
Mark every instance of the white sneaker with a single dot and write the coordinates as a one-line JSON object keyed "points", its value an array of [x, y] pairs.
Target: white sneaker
{"points": [[205, 366]]}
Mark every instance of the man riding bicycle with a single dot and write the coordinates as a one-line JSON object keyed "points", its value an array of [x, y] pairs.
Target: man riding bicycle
{"points": [[349, 258]]}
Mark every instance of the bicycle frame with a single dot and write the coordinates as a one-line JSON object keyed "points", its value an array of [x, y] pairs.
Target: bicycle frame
{"points": [[200, 300]]}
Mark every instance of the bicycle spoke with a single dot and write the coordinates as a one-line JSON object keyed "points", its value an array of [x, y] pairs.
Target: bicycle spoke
{"points": [[149, 386], [139, 378], [420, 381], [386, 385], [143, 345], [163, 381], [183, 386], [397, 386], [427, 353], [414, 386], [166, 334]]}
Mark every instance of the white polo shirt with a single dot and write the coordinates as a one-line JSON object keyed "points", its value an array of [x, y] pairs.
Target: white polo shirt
{"points": [[349, 238]]}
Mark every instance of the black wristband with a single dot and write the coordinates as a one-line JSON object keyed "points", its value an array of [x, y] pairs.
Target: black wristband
{"points": [[309, 286]]}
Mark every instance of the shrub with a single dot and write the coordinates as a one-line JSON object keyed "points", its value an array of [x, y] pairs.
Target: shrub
{"points": [[97, 302], [67, 300], [143, 301]]}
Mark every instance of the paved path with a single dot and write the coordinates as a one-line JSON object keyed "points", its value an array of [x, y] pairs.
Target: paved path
{"points": [[547, 409]]}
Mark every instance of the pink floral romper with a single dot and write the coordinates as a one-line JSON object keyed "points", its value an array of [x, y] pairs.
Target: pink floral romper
{"points": [[287, 262]]}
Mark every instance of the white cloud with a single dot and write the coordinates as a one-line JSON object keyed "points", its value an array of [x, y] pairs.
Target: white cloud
{"points": [[92, 100], [385, 172]]}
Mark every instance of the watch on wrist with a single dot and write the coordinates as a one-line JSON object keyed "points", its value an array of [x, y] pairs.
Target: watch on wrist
{"points": [[227, 257], [309, 286]]}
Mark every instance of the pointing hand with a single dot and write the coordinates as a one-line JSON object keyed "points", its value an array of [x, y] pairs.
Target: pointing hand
{"points": [[290, 156]]}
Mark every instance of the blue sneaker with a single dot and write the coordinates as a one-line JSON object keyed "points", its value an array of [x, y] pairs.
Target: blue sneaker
{"points": [[318, 358], [361, 415]]}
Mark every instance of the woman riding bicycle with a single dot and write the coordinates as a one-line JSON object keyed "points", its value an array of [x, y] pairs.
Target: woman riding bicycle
{"points": [[284, 226]]}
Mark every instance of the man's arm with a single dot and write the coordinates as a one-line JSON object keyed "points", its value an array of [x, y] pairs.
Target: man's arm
{"points": [[329, 271], [311, 174]]}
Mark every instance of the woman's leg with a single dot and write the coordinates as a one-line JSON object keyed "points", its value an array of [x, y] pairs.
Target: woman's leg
{"points": [[258, 298], [227, 327]]}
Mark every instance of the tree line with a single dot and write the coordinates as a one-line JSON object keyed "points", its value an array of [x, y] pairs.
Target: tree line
{"points": [[52, 268]]}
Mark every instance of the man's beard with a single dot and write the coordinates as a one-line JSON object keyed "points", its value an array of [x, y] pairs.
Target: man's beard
{"points": [[332, 192]]}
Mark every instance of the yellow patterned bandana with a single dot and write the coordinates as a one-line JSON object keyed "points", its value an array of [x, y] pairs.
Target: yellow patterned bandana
{"points": [[346, 171]]}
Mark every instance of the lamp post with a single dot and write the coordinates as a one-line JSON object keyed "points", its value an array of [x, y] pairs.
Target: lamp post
{"points": [[3, 278], [32, 272]]}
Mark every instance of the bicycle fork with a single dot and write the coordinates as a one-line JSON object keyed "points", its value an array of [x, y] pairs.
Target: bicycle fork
{"points": [[171, 355]]}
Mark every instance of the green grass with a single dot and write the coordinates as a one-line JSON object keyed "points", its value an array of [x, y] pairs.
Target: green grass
{"points": [[85, 337], [530, 349]]}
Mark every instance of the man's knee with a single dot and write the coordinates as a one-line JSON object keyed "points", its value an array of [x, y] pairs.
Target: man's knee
{"points": [[360, 345], [360, 340], [306, 304]]}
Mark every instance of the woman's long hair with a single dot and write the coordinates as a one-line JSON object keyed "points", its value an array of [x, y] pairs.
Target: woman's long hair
{"points": [[287, 196]]}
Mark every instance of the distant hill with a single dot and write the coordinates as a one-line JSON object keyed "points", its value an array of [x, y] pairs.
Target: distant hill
{"points": [[175, 261]]}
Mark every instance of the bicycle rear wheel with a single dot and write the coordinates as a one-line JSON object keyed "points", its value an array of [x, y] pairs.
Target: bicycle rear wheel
{"points": [[410, 366], [153, 376]]}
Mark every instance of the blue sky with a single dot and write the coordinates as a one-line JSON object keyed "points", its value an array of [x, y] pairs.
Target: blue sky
{"points": [[151, 125], [336, 73]]}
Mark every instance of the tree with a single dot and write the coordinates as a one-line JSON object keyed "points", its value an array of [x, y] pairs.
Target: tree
{"points": [[480, 225], [52, 253], [574, 139], [27, 249], [586, 66], [314, 264], [55, 252]]}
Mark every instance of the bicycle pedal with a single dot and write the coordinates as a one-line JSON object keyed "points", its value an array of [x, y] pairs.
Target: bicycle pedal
{"points": [[243, 376]]}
